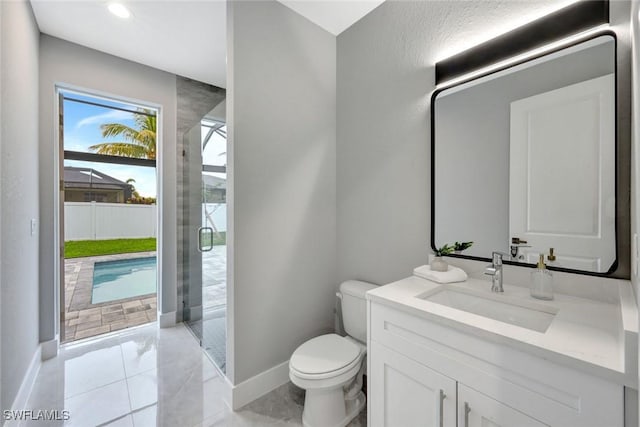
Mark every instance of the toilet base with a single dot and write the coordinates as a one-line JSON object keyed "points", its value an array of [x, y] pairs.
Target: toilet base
{"points": [[328, 408]]}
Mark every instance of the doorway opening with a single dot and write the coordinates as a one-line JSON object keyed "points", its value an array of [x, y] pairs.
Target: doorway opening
{"points": [[108, 215]]}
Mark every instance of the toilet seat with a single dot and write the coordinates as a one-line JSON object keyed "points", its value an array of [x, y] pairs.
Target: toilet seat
{"points": [[323, 357], [330, 368]]}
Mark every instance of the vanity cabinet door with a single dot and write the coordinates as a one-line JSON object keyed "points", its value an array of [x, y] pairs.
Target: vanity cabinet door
{"points": [[403, 393], [478, 410]]}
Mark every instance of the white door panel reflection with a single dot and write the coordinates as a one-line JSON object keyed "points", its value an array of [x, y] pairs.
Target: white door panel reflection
{"points": [[562, 191]]}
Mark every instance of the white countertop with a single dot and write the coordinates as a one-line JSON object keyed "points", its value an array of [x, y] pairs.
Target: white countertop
{"points": [[594, 336]]}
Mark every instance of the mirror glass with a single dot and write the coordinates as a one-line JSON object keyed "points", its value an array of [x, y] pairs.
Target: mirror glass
{"points": [[524, 160]]}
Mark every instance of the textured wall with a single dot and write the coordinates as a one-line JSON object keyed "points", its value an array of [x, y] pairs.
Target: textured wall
{"points": [[282, 213], [385, 79], [19, 195]]}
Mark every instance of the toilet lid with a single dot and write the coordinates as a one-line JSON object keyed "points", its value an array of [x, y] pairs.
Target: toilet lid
{"points": [[326, 353]]}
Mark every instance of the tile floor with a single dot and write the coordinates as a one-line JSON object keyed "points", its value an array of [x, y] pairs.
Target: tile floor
{"points": [[147, 376], [143, 376]]}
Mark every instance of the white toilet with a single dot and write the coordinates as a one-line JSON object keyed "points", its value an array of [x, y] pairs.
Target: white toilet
{"points": [[330, 367]]}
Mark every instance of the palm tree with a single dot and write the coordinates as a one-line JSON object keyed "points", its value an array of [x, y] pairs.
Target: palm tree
{"points": [[139, 142], [134, 192]]}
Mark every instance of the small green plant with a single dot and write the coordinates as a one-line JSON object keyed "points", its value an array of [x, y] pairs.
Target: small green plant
{"points": [[444, 250], [461, 246]]}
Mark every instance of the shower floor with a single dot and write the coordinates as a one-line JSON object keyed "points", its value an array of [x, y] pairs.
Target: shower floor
{"points": [[212, 331]]}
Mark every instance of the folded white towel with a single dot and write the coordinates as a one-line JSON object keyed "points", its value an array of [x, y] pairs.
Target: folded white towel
{"points": [[452, 275]]}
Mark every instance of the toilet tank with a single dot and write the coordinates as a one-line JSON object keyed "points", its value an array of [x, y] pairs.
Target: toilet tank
{"points": [[354, 308]]}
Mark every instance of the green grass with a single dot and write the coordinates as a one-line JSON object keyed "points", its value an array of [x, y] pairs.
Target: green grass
{"points": [[82, 248]]}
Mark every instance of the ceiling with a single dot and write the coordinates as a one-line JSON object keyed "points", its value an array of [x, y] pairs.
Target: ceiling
{"points": [[184, 37], [335, 16]]}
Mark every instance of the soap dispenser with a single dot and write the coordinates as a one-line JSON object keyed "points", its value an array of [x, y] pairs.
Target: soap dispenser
{"points": [[541, 281]]}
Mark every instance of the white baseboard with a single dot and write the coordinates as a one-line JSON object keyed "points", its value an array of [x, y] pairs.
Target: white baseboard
{"points": [[167, 320], [227, 396], [259, 385], [20, 402], [49, 349]]}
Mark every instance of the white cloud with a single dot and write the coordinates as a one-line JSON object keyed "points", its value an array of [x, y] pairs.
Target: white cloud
{"points": [[104, 118], [74, 144]]}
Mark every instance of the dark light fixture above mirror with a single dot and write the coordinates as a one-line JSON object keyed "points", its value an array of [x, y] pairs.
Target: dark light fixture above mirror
{"points": [[570, 20]]}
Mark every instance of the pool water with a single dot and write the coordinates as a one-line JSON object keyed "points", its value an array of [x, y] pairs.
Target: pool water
{"points": [[115, 280]]}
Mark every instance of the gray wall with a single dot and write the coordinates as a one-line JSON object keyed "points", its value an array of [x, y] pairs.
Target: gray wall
{"points": [[385, 78], [78, 67], [283, 212], [19, 195]]}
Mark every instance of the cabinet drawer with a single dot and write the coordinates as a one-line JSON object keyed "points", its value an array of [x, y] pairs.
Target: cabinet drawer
{"points": [[559, 395]]}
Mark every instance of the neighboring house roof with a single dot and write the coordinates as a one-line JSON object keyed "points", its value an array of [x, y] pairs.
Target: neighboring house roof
{"points": [[211, 181], [75, 177]]}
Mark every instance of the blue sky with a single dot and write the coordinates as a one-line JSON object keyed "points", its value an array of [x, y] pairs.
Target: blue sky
{"points": [[82, 129]]}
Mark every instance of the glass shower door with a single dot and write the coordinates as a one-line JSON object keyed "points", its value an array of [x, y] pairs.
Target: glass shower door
{"points": [[205, 207]]}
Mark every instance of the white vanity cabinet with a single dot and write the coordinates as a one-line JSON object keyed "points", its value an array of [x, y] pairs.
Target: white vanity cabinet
{"points": [[403, 392], [425, 373], [478, 410]]}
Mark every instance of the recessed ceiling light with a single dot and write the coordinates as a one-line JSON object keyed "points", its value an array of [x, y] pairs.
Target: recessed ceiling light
{"points": [[119, 10]]}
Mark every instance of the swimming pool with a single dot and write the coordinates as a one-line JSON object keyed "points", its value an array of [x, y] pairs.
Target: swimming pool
{"points": [[115, 280]]}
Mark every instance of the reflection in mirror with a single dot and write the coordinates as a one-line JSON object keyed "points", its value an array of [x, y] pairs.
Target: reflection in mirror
{"points": [[524, 160]]}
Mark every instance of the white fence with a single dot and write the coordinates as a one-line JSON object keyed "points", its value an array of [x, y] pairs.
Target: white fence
{"points": [[216, 213], [97, 221]]}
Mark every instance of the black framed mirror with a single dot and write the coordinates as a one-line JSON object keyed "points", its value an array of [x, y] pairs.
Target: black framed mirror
{"points": [[525, 161]]}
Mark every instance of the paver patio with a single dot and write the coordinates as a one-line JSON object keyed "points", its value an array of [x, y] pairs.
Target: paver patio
{"points": [[82, 319]]}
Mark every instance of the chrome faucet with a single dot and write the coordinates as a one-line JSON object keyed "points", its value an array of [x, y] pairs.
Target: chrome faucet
{"points": [[495, 271]]}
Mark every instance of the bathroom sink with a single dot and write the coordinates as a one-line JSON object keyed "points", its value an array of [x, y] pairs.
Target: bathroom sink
{"points": [[536, 317]]}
